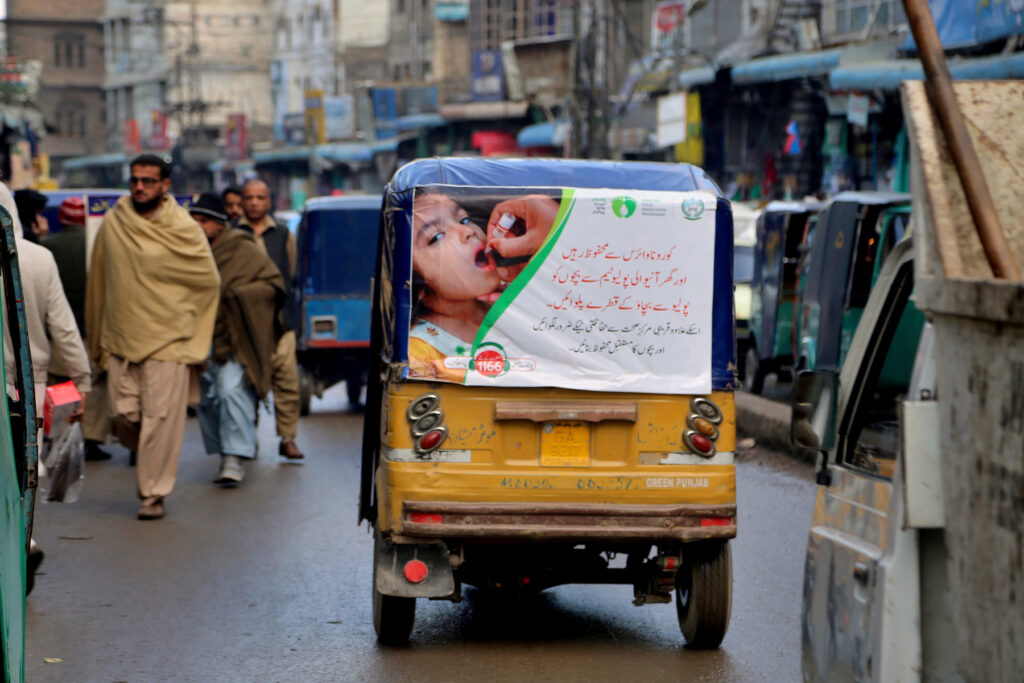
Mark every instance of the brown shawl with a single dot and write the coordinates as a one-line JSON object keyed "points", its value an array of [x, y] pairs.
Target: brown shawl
{"points": [[249, 321], [152, 287]]}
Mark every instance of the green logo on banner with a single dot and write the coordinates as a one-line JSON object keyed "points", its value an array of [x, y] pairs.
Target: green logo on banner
{"points": [[693, 209], [624, 207]]}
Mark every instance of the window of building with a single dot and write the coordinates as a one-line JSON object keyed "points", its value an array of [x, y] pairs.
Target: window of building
{"points": [[400, 6], [69, 50], [842, 17]]}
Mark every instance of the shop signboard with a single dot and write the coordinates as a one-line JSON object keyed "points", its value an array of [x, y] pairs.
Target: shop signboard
{"points": [[671, 119], [419, 99], [488, 76], [130, 137], [294, 126], [316, 124], [385, 112], [158, 138], [667, 22], [236, 137], [340, 117]]}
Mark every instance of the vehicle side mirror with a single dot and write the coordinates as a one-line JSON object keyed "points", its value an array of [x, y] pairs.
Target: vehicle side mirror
{"points": [[815, 401]]}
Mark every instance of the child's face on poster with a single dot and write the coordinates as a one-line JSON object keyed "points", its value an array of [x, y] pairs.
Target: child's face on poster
{"points": [[449, 251]]}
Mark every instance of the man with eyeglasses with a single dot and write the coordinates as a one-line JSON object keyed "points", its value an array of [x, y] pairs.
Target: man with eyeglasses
{"points": [[151, 302]]}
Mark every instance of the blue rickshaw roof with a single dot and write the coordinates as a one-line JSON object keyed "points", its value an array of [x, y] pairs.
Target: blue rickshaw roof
{"points": [[537, 172]]}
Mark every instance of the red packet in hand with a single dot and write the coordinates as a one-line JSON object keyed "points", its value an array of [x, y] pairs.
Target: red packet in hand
{"points": [[62, 400]]}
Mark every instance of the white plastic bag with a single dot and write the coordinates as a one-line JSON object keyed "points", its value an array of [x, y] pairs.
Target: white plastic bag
{"points": [[65, 466]]}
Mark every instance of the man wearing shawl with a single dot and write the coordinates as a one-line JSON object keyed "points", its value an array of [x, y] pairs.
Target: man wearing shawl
{"points": [[151, 302], [249, 324]]}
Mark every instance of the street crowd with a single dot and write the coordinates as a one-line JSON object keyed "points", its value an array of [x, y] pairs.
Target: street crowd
{"points": [[179, 307]]}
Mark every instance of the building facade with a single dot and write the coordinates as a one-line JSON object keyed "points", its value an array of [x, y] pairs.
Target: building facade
{"points": [[66, 38], [137, 75], [218, 54], [302, 57]]}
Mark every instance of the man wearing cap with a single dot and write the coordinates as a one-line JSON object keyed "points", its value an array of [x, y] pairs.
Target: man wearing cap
{"points": [[248, 325], [150, 306], [68, 248]]}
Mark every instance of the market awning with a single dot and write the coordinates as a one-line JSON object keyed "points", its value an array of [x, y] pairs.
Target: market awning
{"points": [[698, 75], [786, 67], [417, 121], [476, 111], [888, 74], [240, 165], [337, 152], [93, 160], [547, 134], [281, 155]]}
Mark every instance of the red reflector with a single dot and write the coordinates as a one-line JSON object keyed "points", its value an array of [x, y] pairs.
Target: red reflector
{"points": [[415, 571], [700, 442], [425, 518], [431, 440], [716, 521]]}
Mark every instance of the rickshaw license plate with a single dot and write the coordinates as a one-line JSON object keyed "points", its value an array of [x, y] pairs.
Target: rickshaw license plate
{"points": [[565, 444]]}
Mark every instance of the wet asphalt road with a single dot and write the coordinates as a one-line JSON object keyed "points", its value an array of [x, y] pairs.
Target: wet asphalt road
{"points": [[271, 582]]}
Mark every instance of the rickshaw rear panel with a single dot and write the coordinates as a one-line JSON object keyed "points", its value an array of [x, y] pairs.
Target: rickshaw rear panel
{"points": [[540, 478]]}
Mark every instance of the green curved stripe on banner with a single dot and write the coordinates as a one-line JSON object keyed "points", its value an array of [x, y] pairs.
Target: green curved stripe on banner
{"points": [[523, 279]]}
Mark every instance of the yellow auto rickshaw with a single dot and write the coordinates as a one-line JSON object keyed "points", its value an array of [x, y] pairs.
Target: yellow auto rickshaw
{"points": [[551, 386]]}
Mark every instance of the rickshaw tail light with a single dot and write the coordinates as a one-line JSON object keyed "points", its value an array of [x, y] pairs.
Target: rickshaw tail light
{"points": [[701, 443], [415, 571], [425, 518], [716, 521], [431, 440]]}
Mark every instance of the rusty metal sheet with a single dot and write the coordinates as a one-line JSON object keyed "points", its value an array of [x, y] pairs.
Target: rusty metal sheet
{"points": [[586, 411], [579, 522]]}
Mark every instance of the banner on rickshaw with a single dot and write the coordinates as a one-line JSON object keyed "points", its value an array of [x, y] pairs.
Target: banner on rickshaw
{"points": [[594, 289]]}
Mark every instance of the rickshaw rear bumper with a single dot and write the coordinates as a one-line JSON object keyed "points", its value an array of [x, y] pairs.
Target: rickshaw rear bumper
{"points": [[577, 522]]}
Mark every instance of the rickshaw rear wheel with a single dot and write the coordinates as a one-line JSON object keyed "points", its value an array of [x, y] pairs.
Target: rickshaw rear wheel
{"points": [[354, 387], [393, 617], [306, 384], [704, 594], [753, 374]]}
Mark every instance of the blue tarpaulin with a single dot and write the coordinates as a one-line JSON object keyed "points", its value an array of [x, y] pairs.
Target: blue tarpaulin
{"points": [[965, 23]]}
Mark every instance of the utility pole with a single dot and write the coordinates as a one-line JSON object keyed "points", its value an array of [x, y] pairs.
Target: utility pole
{"points": [[574, 79]]}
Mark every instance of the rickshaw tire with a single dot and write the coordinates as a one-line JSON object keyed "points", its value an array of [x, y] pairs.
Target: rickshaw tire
{"points": [[753, 375], [393, 616], [704, 594], [306, 383], [354, 388]]}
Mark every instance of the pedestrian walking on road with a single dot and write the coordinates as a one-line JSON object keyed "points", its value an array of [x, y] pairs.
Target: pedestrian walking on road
{"points": [[279, 245], [245, 336], [232, 197], [68, 248], [30, 205], [51, 329], [150, 306]]}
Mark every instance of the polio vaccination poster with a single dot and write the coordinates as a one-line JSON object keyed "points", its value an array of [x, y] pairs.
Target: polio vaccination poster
{"points": [[594, 289]]}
